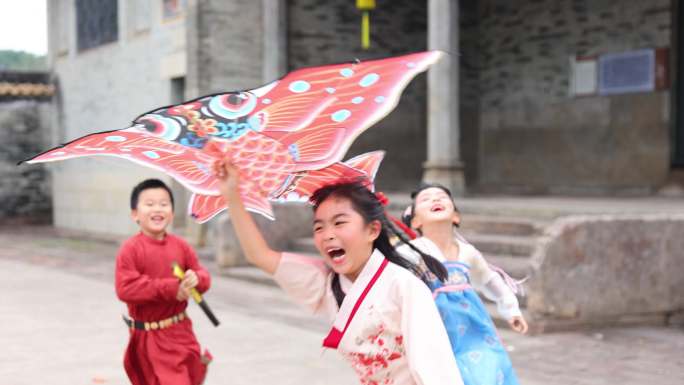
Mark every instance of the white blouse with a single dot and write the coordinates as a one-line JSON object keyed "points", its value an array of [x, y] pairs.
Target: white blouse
{"points": [[395, 337], [482, 277]]}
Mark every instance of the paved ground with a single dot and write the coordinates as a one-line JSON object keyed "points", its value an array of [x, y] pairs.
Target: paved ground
{"points": [[60, 324]]}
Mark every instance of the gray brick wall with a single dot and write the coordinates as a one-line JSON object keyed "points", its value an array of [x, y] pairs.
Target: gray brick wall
{"points": [[535, 137], [525, 44], [224, 46], [328, 31], [24, 190], [469, 58]]}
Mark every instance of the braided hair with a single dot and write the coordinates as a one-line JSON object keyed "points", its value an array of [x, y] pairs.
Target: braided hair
{"points": [[370, 208]]}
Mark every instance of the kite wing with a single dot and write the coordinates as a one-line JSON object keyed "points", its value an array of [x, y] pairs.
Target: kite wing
{"points": [[335, 104], [187, 165]]}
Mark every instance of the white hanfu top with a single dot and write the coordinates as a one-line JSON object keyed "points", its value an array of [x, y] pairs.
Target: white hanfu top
{"points": [[483, 278], [396, 336]]}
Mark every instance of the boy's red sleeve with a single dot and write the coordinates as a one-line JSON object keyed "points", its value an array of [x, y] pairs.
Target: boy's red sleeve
{"points": [[202, 273], [136, 288]]}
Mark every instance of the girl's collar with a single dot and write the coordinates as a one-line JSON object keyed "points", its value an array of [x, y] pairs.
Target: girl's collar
{"points": [[372, 263], [354, 289], [434, 250]]}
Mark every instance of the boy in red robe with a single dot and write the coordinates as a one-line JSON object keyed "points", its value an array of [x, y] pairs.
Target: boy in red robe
{"points": [[162, 348]]}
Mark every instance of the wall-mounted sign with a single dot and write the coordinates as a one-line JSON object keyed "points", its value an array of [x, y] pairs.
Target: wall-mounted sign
{"points": [[583, 80], [627, 72]]}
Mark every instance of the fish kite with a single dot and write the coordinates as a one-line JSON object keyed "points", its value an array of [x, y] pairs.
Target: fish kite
{"points": [[287, 138]]}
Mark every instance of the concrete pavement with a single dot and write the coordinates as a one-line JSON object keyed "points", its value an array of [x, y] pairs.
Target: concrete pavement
{"points": [[60, 324]]}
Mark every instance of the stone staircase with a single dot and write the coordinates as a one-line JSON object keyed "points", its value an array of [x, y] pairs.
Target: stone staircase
{"points": [[509, 230], [505, 240]]}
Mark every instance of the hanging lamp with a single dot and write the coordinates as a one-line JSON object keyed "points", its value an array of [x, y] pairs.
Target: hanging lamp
{"points": [[365, 6]]}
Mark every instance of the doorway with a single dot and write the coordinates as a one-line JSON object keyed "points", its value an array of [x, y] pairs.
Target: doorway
{"points": [[678, 127]]}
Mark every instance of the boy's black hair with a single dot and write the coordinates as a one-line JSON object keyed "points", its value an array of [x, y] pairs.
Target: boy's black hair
{"points": [[406, 218], [145, 185], [369, 207]]}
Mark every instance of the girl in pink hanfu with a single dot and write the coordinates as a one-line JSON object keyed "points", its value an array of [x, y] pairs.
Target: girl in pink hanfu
{"points": [[384, 321], [479, 353]]}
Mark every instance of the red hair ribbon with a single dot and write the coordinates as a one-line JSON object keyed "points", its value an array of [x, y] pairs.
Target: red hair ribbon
{"points": [[384, 201], [409, 231], [382, 198]]}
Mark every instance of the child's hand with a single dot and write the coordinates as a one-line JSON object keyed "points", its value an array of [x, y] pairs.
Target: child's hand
{"points": [[228, 175], [190, 280], [518, 324], [183, 293]]}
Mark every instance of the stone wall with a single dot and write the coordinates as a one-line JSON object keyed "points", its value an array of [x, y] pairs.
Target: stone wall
{"points": [[537, 138], [469, 40], [328, 31], [224, 46], [24, 190], [610, 269]]}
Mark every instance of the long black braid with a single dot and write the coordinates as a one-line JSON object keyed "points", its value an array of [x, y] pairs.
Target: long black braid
{"points": [[433, 265], [369, 207]]}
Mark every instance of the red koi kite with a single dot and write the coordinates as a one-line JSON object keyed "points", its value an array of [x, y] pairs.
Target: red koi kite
{"points": [[287, 138]]}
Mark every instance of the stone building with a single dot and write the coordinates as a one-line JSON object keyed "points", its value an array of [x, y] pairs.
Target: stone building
{"points": [[572, 97], [535, 96], [24, 122]]}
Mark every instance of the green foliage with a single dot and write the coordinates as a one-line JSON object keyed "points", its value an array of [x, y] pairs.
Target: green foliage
{"points": [[22, 61]]}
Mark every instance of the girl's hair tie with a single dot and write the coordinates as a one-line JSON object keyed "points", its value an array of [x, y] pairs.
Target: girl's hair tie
{"points": [[382, 198]]}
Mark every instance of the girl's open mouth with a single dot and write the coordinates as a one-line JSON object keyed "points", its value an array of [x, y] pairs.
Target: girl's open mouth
{"points": [[436, 208], [336, 254]]}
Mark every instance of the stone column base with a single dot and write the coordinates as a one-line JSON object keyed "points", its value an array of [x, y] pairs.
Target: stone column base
{"points": [[451, 176]]}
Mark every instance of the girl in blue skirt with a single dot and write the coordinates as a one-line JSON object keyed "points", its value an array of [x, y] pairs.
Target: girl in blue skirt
{"points": [[479, 352]]}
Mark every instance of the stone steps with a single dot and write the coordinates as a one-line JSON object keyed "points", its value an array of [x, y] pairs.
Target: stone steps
{"points": [[509, 230], [500, 244], [256, 275], [516, 266], [490, 224], [505, 240]]}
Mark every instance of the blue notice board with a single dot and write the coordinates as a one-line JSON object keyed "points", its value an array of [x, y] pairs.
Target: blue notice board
{"points": [[627, 72]]}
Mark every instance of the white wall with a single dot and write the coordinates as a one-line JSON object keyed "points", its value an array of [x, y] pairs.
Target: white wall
{"points": [[105, 88]]}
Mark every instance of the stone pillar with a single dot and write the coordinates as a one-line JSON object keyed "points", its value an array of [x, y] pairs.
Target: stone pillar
{"points": [[275, 39], [444, 163]]}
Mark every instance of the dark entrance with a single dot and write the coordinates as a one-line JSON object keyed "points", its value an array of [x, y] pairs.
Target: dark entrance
{"points": [[678, 132]]}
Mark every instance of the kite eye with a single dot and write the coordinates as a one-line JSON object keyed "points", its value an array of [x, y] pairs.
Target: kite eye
{"points": [[233, 105], [160, 126]]}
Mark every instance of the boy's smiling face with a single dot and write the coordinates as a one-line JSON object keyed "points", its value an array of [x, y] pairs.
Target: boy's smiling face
{"points": [[154, 212]]}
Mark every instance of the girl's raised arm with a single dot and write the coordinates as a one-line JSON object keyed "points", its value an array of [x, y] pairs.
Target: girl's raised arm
{"points": [[257, 251]]}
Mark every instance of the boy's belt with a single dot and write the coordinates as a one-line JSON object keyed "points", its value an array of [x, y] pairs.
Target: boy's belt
{"points": [[155, 325]]}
